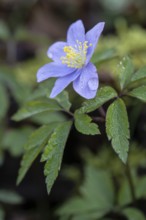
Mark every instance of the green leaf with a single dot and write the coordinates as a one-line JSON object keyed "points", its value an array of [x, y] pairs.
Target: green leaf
{"points": [[97, 196], [63, 100], [117, 128], [84, 125], [35, 107], [48, 117], [104, 55], [53, 153], [33, 148], [124, 195], [140, 187], [104, 94], [125, 71], [140, 74], [9, 141], [133, 214], [4, 102], [10, 197], [139, 93], [39, 136], [27, 160]]}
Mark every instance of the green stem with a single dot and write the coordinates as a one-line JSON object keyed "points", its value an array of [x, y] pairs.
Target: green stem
{"points": [[130, 181]]}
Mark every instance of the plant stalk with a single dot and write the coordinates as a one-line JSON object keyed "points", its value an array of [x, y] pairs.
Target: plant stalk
{"points": [[130, 181]]}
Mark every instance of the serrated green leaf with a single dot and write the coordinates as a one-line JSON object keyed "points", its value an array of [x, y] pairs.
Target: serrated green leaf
{"points": [[35, 107], [125, 71], [133, 214], [104, 94], [39, 136], [53, 153], [117, 128], [10, 197], [84, 125], [97, 196], [3, 101], [27, 160], [139, 93], [140, 74]]}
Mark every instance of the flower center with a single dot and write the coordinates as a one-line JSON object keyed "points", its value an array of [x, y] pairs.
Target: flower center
{"points": [[75, 55]]}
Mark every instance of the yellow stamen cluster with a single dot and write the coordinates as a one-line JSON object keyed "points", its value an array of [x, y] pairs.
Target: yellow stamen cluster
{"points": [[75, 56]]}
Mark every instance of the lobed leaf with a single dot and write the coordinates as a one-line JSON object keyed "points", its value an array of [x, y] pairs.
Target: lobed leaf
{"points": [[39, 136], [97, 197], [104, 94], [125, 72], [27, 160], [117, 128], [53, 153], [139, 93], [33, 148], [84, 125]]}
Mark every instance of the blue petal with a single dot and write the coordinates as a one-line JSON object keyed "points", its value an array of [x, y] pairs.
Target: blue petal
{"points": [[63, 82], [76, 32], [53, 70], [87, 83], [92, 37], [55, 51]]}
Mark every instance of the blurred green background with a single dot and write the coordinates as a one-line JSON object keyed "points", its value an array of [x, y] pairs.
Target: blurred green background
{"points": [[27, 28]]}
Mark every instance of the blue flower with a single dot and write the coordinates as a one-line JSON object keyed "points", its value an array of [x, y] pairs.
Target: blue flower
{"points": [[71, 61]]}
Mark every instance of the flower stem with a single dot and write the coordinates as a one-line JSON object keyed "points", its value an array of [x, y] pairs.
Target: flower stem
{"points": [[130, 181]]}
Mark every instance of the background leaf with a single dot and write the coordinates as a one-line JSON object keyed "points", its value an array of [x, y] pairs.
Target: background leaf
{"points": [[133, 214], [117, 128], [2, 213], [103, 56], [139, 93], [4, 102], [9, 142], [97, 197], [35, 107], [125, 71], [10, 197], [140, 74]]}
